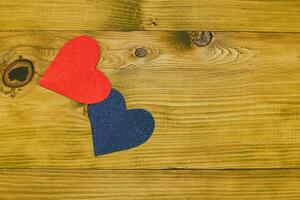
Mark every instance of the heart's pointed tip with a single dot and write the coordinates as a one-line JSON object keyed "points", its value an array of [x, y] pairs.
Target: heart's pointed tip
{"points": [[92, 97], [101, 97], [103, 90], [101, 153]]}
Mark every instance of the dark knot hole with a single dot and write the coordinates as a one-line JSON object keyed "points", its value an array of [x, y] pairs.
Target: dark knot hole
{"points": [[18, 73]]}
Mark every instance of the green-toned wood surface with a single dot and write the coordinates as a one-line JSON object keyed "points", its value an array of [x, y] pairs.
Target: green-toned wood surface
{"points": [[231, 104], [150, 184], [226, 104], [213, 15]]}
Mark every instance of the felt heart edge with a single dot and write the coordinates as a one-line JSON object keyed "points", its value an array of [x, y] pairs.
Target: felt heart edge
{"points": [[129, 112], [104, 86]]}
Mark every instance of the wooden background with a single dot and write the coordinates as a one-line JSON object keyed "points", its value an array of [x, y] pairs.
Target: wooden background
{"points": [[227, 113]]}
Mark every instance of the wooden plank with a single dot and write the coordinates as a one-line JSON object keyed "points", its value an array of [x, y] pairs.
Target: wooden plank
{"points": [[147, 184], [214, 15], [232, 104]]}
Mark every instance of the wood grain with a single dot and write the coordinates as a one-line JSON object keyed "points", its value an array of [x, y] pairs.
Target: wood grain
{"points": [[214, 15], [232, 104], [149, 184]]}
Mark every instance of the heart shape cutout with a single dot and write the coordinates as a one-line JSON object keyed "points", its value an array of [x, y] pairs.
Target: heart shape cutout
{"points": [[73, 72], [114, 128]]}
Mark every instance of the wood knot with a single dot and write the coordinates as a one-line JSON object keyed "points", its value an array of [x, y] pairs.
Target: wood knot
{"points": [[140, 52], [153, 22], [203, 39], [18, 73]]}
